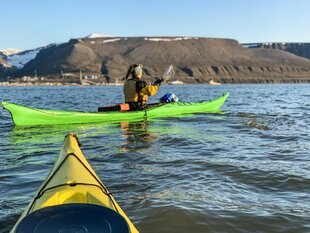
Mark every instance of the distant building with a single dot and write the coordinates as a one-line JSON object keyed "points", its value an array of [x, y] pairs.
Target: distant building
{"points": [[29, 79], [92, 76], [68, 75]]}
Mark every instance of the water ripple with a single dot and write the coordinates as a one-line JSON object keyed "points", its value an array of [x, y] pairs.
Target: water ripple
{"points": [[243, 171]]}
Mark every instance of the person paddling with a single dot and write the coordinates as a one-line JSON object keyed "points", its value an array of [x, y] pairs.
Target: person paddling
{"points": [[137, 91]]}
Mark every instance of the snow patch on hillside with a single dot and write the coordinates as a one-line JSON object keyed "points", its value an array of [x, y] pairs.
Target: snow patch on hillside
{"points": [[105, 41], [20, 59], [9, 52], [110, 40], [98, 35], [170, 39]]}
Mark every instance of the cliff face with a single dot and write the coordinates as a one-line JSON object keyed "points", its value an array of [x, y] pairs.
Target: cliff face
{"points": [[195, 60], [299, 49], [6, 68]]}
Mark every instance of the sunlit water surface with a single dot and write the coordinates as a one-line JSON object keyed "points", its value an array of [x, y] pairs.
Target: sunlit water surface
{"points": [[246, 170]]}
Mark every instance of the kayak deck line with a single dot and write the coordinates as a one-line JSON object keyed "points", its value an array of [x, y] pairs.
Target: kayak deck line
{"points": [[72, 183], [27, 116], [72, 186]]}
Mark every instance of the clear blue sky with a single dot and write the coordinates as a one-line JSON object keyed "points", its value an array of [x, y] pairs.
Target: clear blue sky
{"points": [[28, 24]]}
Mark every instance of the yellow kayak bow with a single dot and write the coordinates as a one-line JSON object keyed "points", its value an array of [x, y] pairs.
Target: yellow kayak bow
{"points": [[73, 199]]}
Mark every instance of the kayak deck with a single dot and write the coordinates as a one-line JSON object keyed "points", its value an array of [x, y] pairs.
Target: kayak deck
{"points": [[72, 181]]}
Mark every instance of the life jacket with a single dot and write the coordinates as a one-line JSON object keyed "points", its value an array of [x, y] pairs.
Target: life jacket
{"points": [[137, 91]]}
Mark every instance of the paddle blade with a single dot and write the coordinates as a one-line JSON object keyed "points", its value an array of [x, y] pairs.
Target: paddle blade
{"points": [[168, 74]]}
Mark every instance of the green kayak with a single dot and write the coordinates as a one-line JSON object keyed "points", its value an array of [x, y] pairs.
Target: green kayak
{"points": [[23, 115]]}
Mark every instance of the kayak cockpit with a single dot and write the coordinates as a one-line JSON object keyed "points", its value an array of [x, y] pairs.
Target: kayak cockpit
{"points": [[73, 218], [125, 108]]}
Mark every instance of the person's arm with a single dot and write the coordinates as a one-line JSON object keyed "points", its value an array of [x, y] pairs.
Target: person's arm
{"points": [[146, 89], [149, 90]]}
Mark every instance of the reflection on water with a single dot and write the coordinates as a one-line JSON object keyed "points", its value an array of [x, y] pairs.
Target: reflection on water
{"points": [[137, 136], [55, 133]]}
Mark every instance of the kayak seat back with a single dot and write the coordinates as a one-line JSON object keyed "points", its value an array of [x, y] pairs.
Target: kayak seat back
{"points": [[82, 218]]}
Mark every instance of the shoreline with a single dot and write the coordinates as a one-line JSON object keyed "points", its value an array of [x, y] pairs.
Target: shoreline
{"points": [[212, 82], [63, 85]]}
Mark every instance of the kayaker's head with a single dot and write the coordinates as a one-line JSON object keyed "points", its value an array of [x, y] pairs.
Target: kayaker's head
{"points": [[135, 70]]}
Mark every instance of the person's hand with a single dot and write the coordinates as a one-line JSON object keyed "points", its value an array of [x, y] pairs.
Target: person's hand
{"points": [[158, 82]]}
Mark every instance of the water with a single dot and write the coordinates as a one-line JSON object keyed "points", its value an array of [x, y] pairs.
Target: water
{"points": [[245, 171]]}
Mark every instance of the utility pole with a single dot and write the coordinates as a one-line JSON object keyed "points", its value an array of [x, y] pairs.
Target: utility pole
{"points": [[81, 76]]}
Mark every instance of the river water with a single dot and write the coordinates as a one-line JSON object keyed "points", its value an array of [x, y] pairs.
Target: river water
{"points": [[247, 170]]}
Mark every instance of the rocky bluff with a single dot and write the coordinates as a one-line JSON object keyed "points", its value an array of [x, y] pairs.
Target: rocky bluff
{"points": [[197, 60], [299, 49]]}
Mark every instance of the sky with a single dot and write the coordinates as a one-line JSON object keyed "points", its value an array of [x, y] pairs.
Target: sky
{"points": [[29, 24]]}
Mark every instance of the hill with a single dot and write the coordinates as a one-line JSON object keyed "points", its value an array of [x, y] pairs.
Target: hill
{"points": [[197, 60]]}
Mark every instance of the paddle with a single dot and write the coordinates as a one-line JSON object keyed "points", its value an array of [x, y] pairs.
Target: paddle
{"points": [[168, 74]]}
